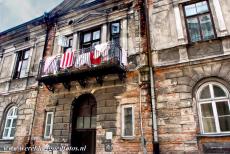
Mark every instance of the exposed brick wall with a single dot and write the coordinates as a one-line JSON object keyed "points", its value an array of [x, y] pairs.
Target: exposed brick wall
{"points": [[177, 108]]}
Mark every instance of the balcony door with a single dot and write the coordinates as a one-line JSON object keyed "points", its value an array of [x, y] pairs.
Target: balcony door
{"points": [[84, 124]]}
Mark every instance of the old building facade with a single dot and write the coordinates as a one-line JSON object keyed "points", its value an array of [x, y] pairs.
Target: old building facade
{"points": [[94, 80], [21, 51], [190, 52]]}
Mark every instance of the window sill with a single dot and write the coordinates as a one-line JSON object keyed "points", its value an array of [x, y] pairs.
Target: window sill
{"points": [[214, 135], [128, 137], [202, 41]]}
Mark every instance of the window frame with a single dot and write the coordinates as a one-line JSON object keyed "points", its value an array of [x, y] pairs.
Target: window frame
{"points": [[70, 40], [51, 125], [91, 31], [213, 100], [111, 34], [197, 17], [21, 58], [12, 118], [123, 121]]}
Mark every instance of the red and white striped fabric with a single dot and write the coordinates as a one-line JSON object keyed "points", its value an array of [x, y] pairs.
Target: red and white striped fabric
{"points": [[50, 65], [67, 59]]}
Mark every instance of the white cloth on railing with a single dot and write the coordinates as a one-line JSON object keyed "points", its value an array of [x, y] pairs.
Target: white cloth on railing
{"points": [[124, 56], [50, 65], [102, 50], [82, 59], [67, 59]]}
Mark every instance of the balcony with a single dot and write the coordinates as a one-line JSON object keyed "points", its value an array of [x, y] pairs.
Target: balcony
{"points": [[95, 62]]}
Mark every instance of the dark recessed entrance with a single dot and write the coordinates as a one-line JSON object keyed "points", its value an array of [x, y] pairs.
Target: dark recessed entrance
{"points": [[84, 124]]}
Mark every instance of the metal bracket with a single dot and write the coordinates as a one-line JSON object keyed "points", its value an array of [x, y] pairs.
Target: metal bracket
{"points": [[122, 76], [82, 82], [67, 85], [99, 80], [50, 87]]}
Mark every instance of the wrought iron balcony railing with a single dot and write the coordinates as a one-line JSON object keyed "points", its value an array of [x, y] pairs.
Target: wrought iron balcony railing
{"points": [[98, 61]]}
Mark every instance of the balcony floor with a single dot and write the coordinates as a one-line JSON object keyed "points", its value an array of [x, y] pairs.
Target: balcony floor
{"points": [[81, 75]]}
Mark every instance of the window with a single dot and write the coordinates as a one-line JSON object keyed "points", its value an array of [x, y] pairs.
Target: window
{"points": [[115, 32], [90, 39], [22, 64], [214, 108], [127, 121], [10, 123], [199, 22], [48, 125], [69, 43]]}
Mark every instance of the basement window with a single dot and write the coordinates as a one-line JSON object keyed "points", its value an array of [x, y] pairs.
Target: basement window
{"points": [[48, 125], [127, 114]]}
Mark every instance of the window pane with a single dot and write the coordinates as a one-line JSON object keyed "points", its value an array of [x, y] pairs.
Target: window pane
{"points": [[128, 128], [190, 10], [96, 35], [14, 123], [224, 123], [206, 110], [47, 131], [194, 31], [206, 27], [205, 93], [86, 122], [218, 91], [79, 122], [202, 7], [87, 37], [8, 122], [222, 108], [10, 112], [209, 125], [115, 28], [70, 42], [93, 122], [12, 132], [6, 132], [26, 54], [49, 118]]}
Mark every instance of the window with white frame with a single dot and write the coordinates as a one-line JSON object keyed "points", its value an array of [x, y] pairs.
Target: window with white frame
{"points": [[214, 108], [48, 125], [10, 123], [127, 114]]}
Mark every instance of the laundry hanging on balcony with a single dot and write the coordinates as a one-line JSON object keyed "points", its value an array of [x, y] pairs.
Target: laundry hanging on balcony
{"points": [[62, 41], [82, 59], [95, 61], [50, 65], [67, 59], [102, 50]]}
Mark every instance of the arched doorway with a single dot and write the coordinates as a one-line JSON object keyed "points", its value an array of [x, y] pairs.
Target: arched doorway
{"points": [[84, 123]]}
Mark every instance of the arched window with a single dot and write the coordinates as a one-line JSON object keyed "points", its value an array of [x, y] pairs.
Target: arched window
{"points": [[214, 108], [10, 123]]}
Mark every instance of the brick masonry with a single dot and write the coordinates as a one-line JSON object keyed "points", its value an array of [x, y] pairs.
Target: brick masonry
{"points": [[177, 108]]}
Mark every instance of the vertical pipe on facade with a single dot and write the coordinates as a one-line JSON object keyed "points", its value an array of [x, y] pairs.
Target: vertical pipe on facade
{"points": [[46, 19], [152, 88]]}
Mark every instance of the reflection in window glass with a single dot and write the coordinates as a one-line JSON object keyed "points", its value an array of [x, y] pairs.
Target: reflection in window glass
{"points": [[96, 35], [206, 110], [194, 30], [209, 125], [205, 93], [202, 7], [218, 92], [87, 37], [206, 27], [128, 122], [190, 10]]}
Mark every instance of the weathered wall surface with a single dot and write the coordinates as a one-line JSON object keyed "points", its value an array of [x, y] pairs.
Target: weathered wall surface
{"points": [[177, 114]]}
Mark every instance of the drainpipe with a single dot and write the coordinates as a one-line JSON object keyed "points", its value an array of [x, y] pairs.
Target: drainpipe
{"points": [[28, 145], [152, 88]]}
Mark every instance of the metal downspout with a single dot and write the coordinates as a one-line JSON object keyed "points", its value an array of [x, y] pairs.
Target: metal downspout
{"points": [[152, 88]]}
